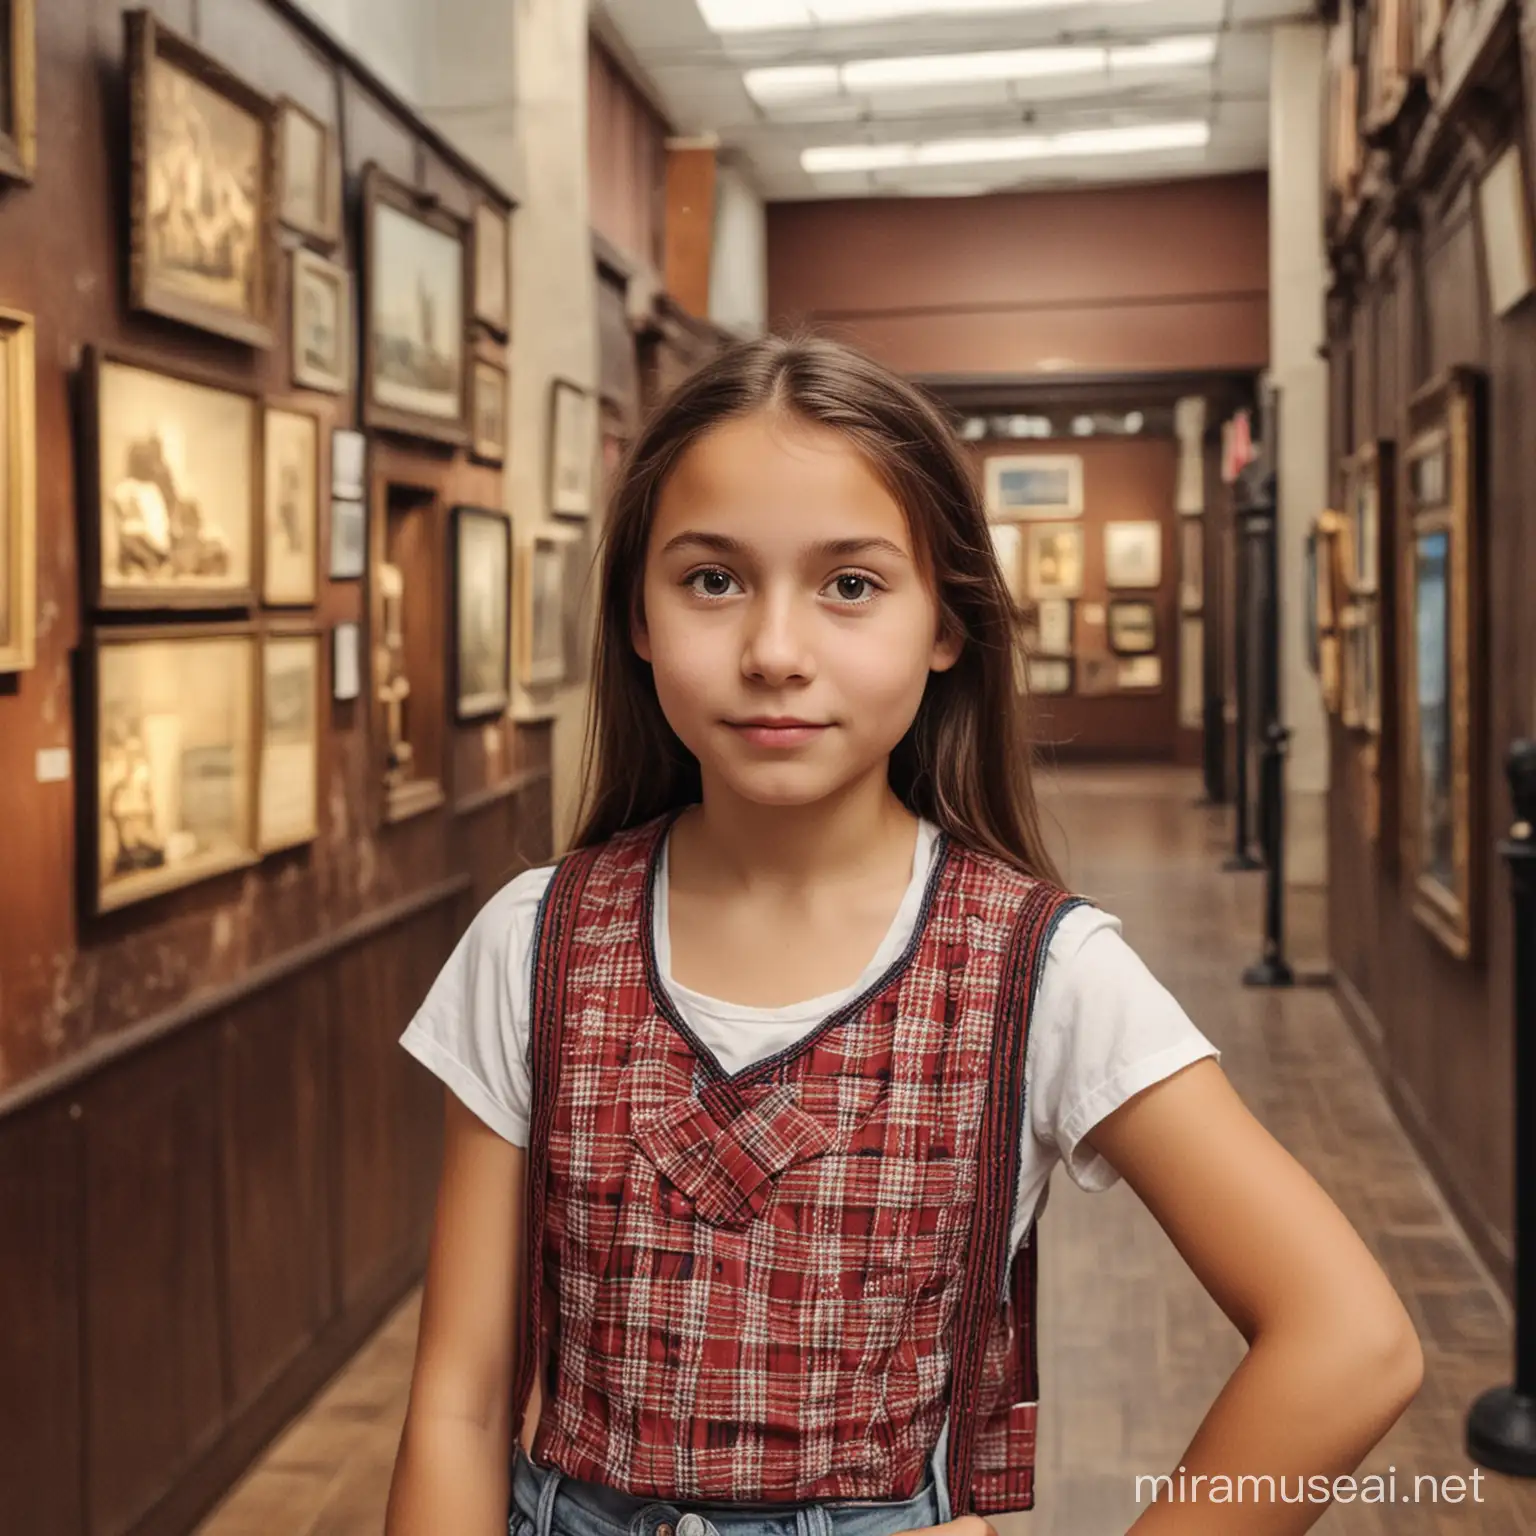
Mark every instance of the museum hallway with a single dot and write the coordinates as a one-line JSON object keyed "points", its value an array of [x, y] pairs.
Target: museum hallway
{"points": [[1133, 1349]]}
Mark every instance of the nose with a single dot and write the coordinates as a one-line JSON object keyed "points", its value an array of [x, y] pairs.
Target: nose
{"points": [[776, 646]]}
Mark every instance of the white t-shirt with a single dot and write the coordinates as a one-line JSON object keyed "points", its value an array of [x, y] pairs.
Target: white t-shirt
{"points": [[1103, 1028]]}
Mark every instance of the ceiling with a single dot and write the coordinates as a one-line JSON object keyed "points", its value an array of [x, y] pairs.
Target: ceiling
{"points": [[1100, 107]]}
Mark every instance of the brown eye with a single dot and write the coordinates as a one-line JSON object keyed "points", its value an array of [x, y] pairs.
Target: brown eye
{"points": [[710, 583], [849, 588]]}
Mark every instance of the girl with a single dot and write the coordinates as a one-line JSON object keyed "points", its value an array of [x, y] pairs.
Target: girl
{"points": [[753, 1098]]}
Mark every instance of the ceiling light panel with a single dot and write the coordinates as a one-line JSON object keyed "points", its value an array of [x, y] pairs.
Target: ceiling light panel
{"points": [[727, 16], [1143, 138]]}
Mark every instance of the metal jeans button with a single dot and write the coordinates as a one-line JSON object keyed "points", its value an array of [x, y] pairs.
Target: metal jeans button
{"points": [[664, 1530], [691, 1525]]}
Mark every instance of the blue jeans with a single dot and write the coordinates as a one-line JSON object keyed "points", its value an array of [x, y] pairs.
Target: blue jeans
{"points": [[545, 1502]]}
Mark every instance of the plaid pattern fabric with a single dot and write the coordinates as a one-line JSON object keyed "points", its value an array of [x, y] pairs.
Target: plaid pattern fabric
{"points": [[773, 1286]]}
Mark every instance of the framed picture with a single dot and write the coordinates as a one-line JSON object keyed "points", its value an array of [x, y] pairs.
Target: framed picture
{"points": [[349, 539], [310, 197], [1370, 674], [571, 450], [1352, 630], [493, 269], [1097, 675], [1192, 672], [1191, 564], [482, 631], [490, 414], [18, 491], [1329, 672], [18, 90], [1444, 665], [1504, 205], [1391, 62], [541, 588], [1139, 672], [346, 662], [1049, 675], [1027, 485], [170, 760], [290, 561], [322, 324], [1132, 626], [415, 368], [1054, 626], [173, 516], [349, 464], [1133, 554], [1368, 482], [1008, 547], [1054, 559], [196, 254], [288, 804]]}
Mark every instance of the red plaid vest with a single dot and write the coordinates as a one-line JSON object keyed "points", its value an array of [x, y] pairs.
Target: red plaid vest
{"points": [[771, 1287]]}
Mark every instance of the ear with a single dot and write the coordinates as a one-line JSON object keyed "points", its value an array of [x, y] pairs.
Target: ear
{"points": [[946, 650], [639, 635]]}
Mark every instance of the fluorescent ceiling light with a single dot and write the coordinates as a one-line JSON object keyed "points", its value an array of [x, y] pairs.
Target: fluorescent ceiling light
{"points": [[777, 15], [796, 82], [1148, 138], [1170, 53]]}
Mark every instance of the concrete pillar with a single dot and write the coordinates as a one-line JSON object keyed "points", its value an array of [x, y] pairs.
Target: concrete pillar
{"points": [[1189, 423], [1298, 280]]}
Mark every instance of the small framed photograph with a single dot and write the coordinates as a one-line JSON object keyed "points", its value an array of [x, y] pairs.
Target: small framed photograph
{"points": [[1054, 626], [1133, 554], [346, 663], [18, 491], [1132, 626], [571, 450], [310, 196], [290, 563], [1139, 672], [349, 539], [541, 621], [1055, 559], [482, 633], [1031, 485], [493, 269], [1049, 676], [288, 806], [349, 465], [1504, 204], [490, 412], [322, 324], [1008, 547], [18, 90]]}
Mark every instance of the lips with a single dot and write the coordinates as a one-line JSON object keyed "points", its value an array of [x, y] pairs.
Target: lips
{"points": [[777, 731]]}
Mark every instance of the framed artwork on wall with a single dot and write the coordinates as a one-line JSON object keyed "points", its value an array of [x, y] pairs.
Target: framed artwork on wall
{"points": [[493, 269], [1132, 626], [18, 90], [1008, 546], [571, 450], [171, 760], [482, 630], [490, 412], [1049, 675], [290, 561], [175, 487], [416, 294], [200, 258], [1139, 673], [322, 324], [346, 662], [1054, 559], [1368, 482], [1443, 672], [1352, 632], [1133, 554], [18, 491], [309, 198], [1028, 485], [1053, 619], [349, 539], [541, 590], [349, 464], [1504, 206], [288, 803]]}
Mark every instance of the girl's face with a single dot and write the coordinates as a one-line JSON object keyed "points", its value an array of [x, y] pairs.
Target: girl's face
{"points": [[786, 620]]}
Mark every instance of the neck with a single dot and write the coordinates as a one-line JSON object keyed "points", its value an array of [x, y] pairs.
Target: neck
{"points": [[731, 844]]}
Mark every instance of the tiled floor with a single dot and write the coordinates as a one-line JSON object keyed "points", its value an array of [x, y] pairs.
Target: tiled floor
{"points": [[1120, 1312]]}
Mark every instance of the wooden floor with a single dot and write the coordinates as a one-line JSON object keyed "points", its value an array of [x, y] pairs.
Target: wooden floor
{"points": [[1121, 1315]]}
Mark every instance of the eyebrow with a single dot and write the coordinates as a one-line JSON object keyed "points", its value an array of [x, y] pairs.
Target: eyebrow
{"points": [[724, 544]]}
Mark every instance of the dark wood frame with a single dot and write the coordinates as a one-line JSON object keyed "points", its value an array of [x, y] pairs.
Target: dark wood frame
{"points": [[484, 709], [326, 233], [288, 631], [93, 507], [1447, 415], [557, 386], [482, 448], [18, 148], [18, 489], [1110, 607], [268, 601], [500, 324], [381, 190], [94, 899], [147, 40], [307, 264]]}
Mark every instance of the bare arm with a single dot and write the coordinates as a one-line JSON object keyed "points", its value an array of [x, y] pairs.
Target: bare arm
{"points": [[452, 1473], [1333, 1359]]}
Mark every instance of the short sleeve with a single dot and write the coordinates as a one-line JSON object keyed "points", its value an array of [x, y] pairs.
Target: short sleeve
{"points": [[473, 1031], [1103, 1030]]}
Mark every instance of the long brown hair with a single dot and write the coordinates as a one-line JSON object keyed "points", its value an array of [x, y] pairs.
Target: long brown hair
{"points": [[965, 762]]}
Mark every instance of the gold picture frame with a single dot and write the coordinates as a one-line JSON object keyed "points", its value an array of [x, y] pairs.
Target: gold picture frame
{"points": [[1048, 486], [290, 542], [481, 658], [572, 449], [321, 300], [1352, 631], [1368, 516], [184, 104], [18, 92], [18, 491], [490, 412], [1054, 559], [288, 797], [1442, 649], [309, 198]]}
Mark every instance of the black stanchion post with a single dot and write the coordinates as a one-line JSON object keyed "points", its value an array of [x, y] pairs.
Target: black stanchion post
{"points": [[1274, 969], [1241, 858], [1501, 1428]]}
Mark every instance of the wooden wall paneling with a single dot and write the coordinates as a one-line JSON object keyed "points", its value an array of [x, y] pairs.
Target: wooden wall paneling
{"points": [[270, 53], [1362, 353], [374, 134], [690, 224], [627, 161], [156, 1356], [41, 1452]]}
